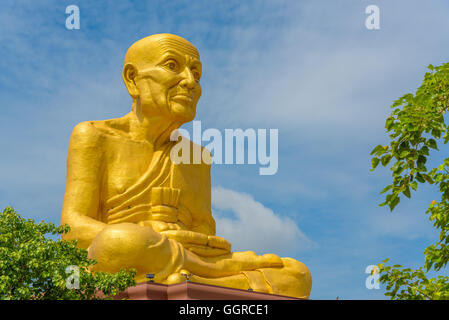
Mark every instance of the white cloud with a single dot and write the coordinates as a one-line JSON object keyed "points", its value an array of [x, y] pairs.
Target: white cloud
{"points": [[255, 227]]}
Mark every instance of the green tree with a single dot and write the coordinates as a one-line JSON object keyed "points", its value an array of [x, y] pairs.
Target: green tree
{"points": [[415, 126], [33, 266]]}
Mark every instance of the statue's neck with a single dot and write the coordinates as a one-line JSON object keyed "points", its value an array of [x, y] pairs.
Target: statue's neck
{"points": [[155, 129]]}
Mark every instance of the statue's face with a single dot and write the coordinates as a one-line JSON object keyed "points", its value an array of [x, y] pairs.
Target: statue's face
{"points": [[169, 83]]}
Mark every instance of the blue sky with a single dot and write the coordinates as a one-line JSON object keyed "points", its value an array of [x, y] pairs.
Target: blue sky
{"points": [[308, 68]]}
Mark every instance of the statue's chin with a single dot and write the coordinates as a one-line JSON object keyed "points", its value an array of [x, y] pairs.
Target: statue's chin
{"points": [[185, 112]]}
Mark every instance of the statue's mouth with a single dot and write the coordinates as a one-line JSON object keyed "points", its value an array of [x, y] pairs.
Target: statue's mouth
{"points": [[182, 97]]}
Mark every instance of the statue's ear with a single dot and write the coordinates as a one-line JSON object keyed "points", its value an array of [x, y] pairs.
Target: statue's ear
{"points": [[129, 74]]}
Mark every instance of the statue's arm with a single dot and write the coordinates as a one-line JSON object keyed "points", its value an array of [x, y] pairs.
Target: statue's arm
{"points": [[207, 225], [82, 195], [216, 246]]}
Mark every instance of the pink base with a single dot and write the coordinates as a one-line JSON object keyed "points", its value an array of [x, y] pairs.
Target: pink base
{"points": [[192, 291]]}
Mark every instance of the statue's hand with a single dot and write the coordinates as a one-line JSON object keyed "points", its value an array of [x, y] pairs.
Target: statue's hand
{"points": [[202, 244], [216, 246], [160, 226], [218, 242]]}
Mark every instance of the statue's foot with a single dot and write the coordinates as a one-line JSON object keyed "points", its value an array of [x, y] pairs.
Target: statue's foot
{"points": [[292, 278], [230, 264], [238, 281]]}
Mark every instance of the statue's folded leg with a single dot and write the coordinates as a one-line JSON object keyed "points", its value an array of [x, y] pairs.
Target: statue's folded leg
{"points": [[291, 279], [127, 245]]}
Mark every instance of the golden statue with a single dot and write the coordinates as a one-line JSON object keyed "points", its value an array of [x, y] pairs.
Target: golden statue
{"points": [[130, 206]]}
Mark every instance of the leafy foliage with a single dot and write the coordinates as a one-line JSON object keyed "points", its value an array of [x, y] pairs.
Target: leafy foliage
{"points": [[33, 267], [408, 284], [415, 127]]}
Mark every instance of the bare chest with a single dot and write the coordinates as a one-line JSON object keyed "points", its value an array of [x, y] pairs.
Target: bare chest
{"points": [[124, 162]]}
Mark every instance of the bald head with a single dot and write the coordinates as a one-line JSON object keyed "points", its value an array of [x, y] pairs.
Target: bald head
{"points": [[148, 49], [162, 74]]}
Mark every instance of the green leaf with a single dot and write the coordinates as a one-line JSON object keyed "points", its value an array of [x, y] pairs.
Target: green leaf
{"points": [[374, 163], [425, 150], [432, 144], [389, 123], [378, 148], [420, 178], [406, 192], [386, 159], [386, 189], [394, 202], [427, 178], [404, 153]]}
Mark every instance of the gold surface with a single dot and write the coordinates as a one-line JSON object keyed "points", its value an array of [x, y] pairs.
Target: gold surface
{"points": [[132, 207]]}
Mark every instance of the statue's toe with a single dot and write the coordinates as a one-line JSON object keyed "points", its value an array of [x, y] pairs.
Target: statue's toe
{"points": [[175, 278]]}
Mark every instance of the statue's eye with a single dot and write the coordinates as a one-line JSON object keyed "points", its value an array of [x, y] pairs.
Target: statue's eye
{"points": [[196, 74], [172, 65]]}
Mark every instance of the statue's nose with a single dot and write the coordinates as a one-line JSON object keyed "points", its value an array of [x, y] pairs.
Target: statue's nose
{"points": [[188, 80]]}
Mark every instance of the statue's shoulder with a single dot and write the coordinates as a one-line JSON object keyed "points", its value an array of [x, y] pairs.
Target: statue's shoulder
{"points": [[100, 128], [84, 129], [84, 136]]}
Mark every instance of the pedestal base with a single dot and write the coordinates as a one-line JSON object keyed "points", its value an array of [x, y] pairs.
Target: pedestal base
{"points": [[192, 291]]}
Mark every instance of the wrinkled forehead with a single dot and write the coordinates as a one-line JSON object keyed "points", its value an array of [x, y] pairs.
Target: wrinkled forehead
{"points": [[149, 50], [167, 44]]}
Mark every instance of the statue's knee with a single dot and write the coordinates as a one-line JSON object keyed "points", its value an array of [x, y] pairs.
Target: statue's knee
{"points": [[299, 270], [120, 246], [296, 268]]}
